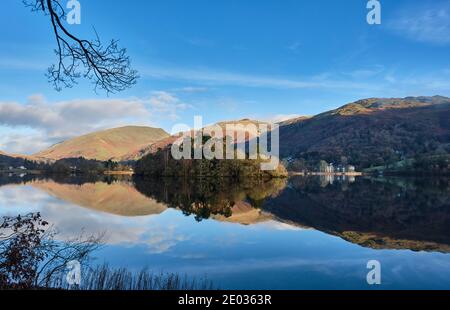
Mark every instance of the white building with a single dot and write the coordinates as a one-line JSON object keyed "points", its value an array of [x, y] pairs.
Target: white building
{"points": [[330, 168]]}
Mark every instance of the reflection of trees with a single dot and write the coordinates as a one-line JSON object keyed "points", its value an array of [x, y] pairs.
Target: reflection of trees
{"points": [[398, 213], [6, 179], [210, 196], [401, 213]]}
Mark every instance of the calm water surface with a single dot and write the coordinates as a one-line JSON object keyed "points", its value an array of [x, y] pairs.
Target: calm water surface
{"points": [[301, 233]]}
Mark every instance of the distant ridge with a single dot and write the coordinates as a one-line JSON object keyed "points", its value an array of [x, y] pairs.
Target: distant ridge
{"points": [[105, 145], [167, 141], [371, 132], [375, 104], [21, 156], [368, 132]]}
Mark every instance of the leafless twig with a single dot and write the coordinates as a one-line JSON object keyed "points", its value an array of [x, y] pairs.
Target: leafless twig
{"points": [[108, 66]]}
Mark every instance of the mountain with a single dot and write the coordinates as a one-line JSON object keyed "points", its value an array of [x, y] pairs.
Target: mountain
{"points": [[371, 132], [293, 120], [365, 133], [167, 141], [104, 145], [18, 156], [14, 160], [149, 149], [8, 160]]}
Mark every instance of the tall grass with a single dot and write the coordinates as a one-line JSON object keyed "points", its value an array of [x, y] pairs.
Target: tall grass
{"points": [[106, 278]]}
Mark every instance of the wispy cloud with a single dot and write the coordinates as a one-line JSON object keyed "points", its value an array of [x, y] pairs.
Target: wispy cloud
{"points": [[417, 83], [11, 63], [376, 80], [216, 77], [364, 73], [424, 23], [191, 89], [295, 46]]}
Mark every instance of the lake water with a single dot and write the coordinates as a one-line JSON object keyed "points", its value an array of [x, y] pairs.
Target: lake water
{"points": [[301, 233]]}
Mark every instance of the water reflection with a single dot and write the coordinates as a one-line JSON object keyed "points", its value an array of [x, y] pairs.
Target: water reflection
{"points": [[217, 198], [376, 213], [116, 197]]}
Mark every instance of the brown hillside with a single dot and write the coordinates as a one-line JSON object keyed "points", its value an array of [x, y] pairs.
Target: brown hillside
{"points": [[165, 142], [104, 145], [372, 131]]}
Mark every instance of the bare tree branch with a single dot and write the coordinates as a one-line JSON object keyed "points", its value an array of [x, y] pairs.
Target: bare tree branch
{"points": [[30, 256], [108, 66]]}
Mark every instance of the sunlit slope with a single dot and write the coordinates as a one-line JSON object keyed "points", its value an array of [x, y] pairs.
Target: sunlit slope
{"points": [[104, 145]]}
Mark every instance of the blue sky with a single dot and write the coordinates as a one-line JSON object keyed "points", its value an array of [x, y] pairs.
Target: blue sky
{"points": [[222, 60]]}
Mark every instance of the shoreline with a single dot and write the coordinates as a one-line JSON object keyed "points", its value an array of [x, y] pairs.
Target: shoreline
{"points": [[118, 173], [290, 173], [349, 174]]}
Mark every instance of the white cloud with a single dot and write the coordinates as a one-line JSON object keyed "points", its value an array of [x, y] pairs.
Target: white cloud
{"points": [[167, 104], [69, 118], [24, 143], [53, 122], [424, 23]]}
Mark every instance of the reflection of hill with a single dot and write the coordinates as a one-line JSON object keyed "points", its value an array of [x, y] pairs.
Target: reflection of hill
{"points": [[223, 199], [375, 214], [382, 214], [244, 213], [117, 198]]}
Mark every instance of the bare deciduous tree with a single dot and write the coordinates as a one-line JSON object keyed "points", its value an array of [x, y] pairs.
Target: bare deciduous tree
{"points": [[108, 66], [30, 256]]}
